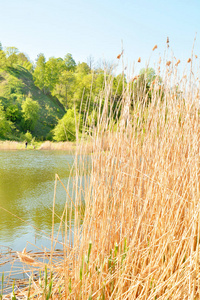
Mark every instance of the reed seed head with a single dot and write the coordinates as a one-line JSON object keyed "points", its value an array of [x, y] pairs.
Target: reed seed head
{"points": [[168, 63], [155, 47]]}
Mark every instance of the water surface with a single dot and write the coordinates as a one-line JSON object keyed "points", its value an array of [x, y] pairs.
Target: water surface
{"points": [[27, 189]]}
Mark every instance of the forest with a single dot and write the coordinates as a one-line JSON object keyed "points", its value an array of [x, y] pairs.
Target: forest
{"points": [[46, 100]]}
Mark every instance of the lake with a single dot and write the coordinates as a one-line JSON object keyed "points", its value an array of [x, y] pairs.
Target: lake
{"points": [[27, 181]]}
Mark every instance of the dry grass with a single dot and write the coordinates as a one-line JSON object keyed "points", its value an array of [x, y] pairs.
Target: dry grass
{"points": [[69, 146], [11, 145], [140, 235]]}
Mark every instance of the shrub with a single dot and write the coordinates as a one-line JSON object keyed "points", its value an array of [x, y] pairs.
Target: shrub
{"points": [[66, 127]]}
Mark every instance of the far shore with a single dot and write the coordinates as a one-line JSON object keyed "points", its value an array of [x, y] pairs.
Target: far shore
{"points": [[47, 145]]}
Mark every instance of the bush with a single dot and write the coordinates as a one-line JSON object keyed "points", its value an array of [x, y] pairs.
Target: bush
{"points": [[28, 136], [66, 127], [30, 110]]}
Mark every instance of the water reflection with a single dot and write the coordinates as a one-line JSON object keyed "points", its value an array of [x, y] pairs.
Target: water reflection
{"points": [[27, 189]]}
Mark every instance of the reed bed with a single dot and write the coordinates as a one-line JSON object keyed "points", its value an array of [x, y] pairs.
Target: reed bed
{"points": [[67, 146], [11, 145], [139, 237]]}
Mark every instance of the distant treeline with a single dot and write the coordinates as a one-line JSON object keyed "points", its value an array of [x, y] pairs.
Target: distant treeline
{"points": [[44, 99]]}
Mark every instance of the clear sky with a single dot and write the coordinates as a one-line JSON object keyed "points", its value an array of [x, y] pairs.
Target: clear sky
{"points": [[96, 27]]}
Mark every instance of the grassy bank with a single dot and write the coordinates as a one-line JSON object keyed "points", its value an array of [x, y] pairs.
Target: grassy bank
{"points": [[139, 237]]}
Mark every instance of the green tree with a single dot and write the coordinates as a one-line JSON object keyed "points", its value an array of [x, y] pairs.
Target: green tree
{"points": [[13, 91], [23, 61], [3, 60], [5, 125], [64, 88], [13, 113], [39, 72], [28, 136], [11, 53], [70, 62], [54, 66], [83, 85], [66, 127], [30, 111], [83, 69]]}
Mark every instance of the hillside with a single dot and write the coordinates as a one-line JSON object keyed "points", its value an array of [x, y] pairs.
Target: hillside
{"points": [[16, 85]]}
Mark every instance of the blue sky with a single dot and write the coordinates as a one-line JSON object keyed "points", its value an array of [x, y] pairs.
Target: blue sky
{"points": [[84, 28]]}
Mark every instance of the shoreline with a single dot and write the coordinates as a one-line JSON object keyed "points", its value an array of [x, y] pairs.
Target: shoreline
{"points": [[47, 145]]}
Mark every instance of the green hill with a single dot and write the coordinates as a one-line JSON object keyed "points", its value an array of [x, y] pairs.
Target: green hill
{"points": [[16, 85]]}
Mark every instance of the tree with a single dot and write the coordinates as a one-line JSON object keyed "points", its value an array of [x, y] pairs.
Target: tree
{"points": [[13, 90], [3, 60], [5, 125], [30, 110], [64, 89], [66, 127], [28, 136], [24, 61], [13, 113], [83, 85], [39, 72], [53, 68], [70, 62], [83, 68], [11, 53]]}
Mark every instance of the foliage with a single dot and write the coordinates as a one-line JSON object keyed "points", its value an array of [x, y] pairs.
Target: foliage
{"points": [[3, 60], [23, 61], [13, 90], [53, 68], [39, 72], [5, 125], [30, 111], [13, 113], [28, 137], [64, 88], [66, 127], [54, 86], [16, 84], [70, 62], [11, 53]]}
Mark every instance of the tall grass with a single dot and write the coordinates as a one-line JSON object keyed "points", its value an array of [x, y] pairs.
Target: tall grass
{"points": [[139, 237]]}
